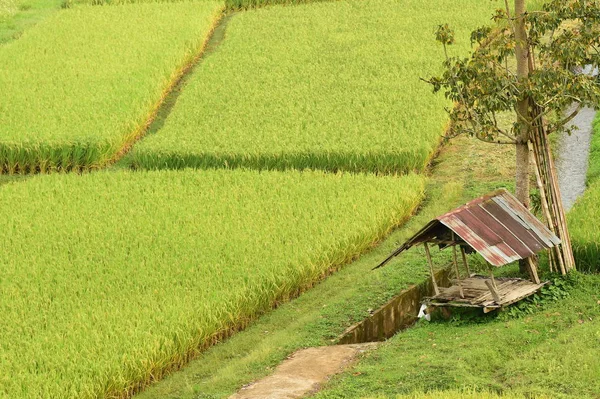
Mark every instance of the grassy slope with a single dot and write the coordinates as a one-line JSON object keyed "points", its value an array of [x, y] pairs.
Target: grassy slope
{"points": [[111, 278], [328, 85], [320, 315], [594, 170], [583, 218], [77, 99], [552, 352]]}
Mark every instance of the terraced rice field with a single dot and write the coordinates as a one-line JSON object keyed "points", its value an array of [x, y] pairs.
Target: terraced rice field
{"points": [[113, 278], [109, 279], [79, 87], [331, 86]]}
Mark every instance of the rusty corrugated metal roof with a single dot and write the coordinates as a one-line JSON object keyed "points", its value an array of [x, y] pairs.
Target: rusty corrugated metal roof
{"points": [[496, 225]]}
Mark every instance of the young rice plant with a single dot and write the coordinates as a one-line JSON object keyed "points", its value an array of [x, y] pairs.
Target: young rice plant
{"points": [[111, 278]]}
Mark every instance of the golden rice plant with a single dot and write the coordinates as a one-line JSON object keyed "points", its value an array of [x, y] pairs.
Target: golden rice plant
{"points": [[109, 279]]}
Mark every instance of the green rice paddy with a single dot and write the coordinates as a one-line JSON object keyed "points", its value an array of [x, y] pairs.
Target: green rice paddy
{"points": [[330, 86], [309, 121], [78, 87]]}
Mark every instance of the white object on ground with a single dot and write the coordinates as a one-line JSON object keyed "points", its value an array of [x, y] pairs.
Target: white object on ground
{"points": [[423, 313]]}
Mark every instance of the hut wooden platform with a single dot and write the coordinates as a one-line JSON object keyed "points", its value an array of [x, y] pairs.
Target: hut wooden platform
{"points": [[480, 292], [499, 228]]}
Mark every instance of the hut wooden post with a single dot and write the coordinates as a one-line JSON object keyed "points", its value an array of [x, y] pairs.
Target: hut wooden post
{"points": [[460, 289], [493, 280], [464, 259], [433, 282], [493, 291], [533, 271]]}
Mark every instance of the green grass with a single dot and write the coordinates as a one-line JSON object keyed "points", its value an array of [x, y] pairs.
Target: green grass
{"points": [[582, 219], [332, 86], [594, 167], [551, 352], [112, 278], [81, 85], [585, 231]]}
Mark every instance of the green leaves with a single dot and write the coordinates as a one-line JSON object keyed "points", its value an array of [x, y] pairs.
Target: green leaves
{"points": [[444, 34], [563, 38], [109, 279]]}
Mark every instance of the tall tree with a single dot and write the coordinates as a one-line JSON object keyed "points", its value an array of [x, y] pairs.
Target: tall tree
{"points": [[549, 48], [522, 135]]}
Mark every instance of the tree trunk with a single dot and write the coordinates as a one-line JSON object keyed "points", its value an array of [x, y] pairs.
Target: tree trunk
{"points": [[522, 159], [522, 111]]}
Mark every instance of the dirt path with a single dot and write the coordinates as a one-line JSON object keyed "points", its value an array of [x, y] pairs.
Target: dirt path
{"points": [[303, 372]]}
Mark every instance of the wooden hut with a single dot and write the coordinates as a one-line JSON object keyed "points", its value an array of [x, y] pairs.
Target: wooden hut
{"points": [[501, 230]]}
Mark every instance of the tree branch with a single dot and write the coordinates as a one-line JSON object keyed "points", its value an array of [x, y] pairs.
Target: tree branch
{"points": [[570, 117]]}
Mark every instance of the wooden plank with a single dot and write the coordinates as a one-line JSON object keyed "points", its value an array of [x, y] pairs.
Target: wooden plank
{"points": [[430, 262], [486, 295], [464, 259], [510, 290], [508, 300]]}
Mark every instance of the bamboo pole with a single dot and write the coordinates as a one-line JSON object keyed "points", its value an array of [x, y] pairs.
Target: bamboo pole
{"points": [[551, 260], [552, 223], [460, 289], [549, 184], [557, 206], [430, 262], [562, 221], [544, 200], [567, 249]]}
